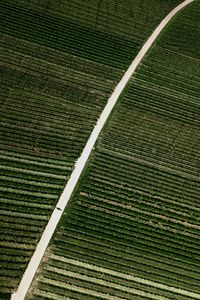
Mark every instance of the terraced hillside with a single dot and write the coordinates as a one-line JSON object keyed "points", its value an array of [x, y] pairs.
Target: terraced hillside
{"points": [[56, 75], [132, 230]]}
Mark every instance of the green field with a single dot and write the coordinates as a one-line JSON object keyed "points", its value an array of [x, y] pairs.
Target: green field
{"points": [[130, 215], [132, 228], [132, 19]]}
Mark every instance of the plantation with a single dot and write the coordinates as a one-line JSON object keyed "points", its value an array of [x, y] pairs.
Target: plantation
{"points": [[131, 230], [132, 227], [133, 20], [50, 102]]}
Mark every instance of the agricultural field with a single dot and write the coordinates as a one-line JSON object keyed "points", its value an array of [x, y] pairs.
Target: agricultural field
{"points": [[132, 228], [131, 19], [57, 72]]}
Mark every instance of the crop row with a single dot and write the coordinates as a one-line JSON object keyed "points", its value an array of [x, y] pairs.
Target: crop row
{"points": [[133, 257], [94, 271], [94, 231], [87, 287], [149, 246], [57, 71], [156, 240], [94, 253], [187, 43], [29, 190], [136, 211], [150, 189], [156, 148], [55, 57], [14, 160], [64, 275], [56, 33], [129, 212], [171, 185], [17, 243], [52, 87], [141, 265], [61, 126], [162, 76], [168, 174], [164, 216], [133, 20], [47, 117], [97, 232], [148, 98], [136, 201]]}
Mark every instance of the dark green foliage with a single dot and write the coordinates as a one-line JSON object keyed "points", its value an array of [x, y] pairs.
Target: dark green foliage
{"points": [[184, 36], [136, 211], [58, 71], [50, 102], [67, 37]]}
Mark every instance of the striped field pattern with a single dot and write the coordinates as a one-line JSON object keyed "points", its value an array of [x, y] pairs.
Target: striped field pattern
{"points": [[57, 72], [132, 229]]}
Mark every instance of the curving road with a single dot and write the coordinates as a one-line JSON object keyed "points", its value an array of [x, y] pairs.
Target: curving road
{"points": [[81, 162]]}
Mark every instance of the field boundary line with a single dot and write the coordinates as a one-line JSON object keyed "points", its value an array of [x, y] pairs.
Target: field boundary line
{"points": [[48, 232]]}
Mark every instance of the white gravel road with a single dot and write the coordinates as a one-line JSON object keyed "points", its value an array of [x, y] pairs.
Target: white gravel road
{"points": [[80, 164]]}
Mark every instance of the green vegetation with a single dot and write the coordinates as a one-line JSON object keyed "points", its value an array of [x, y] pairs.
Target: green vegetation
{"points": [[132, 19], [132, 229], [50, 101], [64, 36], [59, 67]]}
